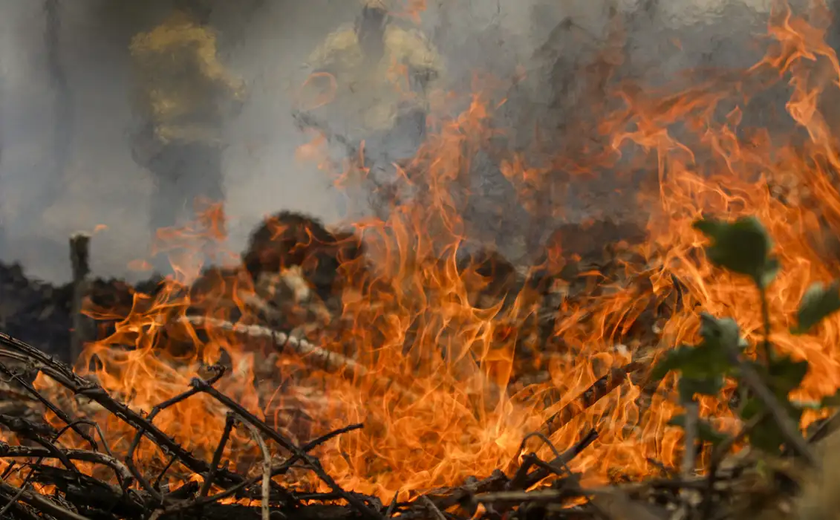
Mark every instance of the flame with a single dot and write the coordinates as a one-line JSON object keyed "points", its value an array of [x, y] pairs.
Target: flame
{"points": [[410, 9], [318, 90], [437, 374]]}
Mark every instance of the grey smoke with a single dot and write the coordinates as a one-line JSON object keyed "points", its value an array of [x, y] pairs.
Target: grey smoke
{"points": [[46, 194], [266, 41]]}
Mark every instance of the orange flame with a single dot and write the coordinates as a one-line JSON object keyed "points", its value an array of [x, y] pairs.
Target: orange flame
{"points": [[457, 403]]}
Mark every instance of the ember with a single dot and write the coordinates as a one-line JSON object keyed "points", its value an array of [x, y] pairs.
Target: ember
{"points": [[401, 367]]}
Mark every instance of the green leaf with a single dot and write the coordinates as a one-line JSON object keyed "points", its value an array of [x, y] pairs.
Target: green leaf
{"points": [[768, 274], [767, 436], [702, 367], [673, 360], [720, 333], [707, 386], [741, 246], [705, 361], [831, 401], [786, 375], [808, 405], [705, 431], [764, 470], [818, 302]]}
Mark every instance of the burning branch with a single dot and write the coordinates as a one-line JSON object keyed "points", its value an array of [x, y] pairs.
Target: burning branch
{"points": [[596, 391], [64, 375], [82, 496], [315, 356], [194, 498], [144, 427]]}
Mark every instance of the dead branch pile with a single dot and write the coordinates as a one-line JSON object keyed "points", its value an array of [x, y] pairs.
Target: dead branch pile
{"points": [[43, 478]]}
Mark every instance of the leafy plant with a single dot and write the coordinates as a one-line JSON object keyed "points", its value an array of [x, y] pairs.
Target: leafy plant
{"points": [[744, 247], [818, 302], [705, 431]]}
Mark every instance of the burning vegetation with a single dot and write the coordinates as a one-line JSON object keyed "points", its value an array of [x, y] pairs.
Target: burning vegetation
{"points": [[680, 363]]}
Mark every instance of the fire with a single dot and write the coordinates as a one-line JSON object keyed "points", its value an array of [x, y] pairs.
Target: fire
{"points": [[438, 377]]}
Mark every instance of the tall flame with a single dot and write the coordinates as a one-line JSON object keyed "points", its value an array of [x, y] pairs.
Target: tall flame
{"points": [[455, 404]]}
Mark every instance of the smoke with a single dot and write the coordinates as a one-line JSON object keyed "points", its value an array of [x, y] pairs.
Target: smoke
{"points": [[49, 189], [573, 54], [65, 169]]}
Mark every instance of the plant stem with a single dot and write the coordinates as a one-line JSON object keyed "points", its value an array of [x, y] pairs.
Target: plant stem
{"points": [[692, 412], [765, 316]]}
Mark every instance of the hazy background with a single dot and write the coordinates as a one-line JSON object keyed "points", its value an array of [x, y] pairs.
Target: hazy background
{"points": [[65, 163]]}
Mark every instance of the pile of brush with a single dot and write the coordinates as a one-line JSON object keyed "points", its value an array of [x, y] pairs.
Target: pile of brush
{"points": [[43, 478]]}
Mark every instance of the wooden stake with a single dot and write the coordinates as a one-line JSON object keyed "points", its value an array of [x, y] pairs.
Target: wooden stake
{"points": [[83, 330]]}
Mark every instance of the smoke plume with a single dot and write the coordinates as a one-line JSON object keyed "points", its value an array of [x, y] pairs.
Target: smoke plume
{"points": [[65, 162]]}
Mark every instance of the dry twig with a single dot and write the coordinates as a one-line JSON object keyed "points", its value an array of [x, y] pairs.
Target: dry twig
{"points": [[266, 477]]}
